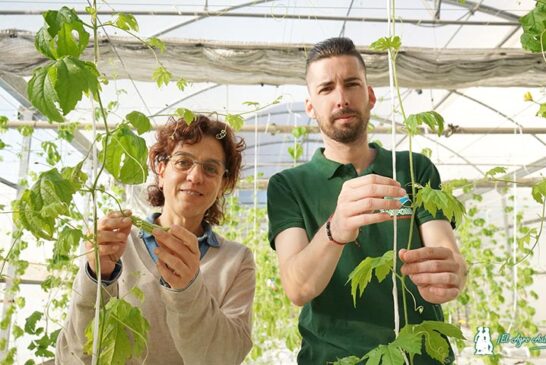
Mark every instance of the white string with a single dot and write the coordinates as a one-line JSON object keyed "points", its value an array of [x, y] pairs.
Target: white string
{"points": [[391, 32], [514, 252], [256, 147]]}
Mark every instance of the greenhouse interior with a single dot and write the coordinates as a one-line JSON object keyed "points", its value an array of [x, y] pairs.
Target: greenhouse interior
{"points": [[77, 77]]}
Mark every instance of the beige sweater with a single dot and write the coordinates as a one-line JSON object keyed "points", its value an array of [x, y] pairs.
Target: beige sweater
{"points": [[207, 323]]}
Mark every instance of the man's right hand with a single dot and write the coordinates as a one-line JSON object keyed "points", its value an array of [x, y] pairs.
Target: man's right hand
{"points": [[112, 233], [358, 204]]}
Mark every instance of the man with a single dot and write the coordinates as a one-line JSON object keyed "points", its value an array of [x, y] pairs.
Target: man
{"points": [[317, 210]]}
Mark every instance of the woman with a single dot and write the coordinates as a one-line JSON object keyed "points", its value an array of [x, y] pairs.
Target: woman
{"points": [[198, 287]]}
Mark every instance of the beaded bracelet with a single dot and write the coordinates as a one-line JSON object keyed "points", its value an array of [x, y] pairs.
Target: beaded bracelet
{"points": [[329, 233]]}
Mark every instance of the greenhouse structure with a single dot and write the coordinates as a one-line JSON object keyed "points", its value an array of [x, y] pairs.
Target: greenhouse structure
{"points": [[85, 85]]}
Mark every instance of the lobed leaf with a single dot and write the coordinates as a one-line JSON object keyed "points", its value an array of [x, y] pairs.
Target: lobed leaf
{"points": [[162, 76], [431, 118], [140, 121], [539, 191], [361, 276], [495, 171], [236, 121], [385, 43], [534, 29], [126, 22], [124, 155], [157, 43]]}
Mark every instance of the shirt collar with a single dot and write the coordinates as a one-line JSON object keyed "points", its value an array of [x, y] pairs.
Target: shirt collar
{"points": [[208, 237], [381, 164]]}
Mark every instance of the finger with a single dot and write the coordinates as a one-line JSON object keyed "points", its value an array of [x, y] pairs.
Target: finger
{"points": [[439, 295], [104, 237], [371, 179], [173, 262], [369, 218], [425, 253], [368, 205], [378, 191], [115, 223], [108, 250], [444, 279], [176, 238], [430, 266], [166, 273]]}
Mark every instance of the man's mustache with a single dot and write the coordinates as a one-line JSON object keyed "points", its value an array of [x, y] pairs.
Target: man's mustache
{"points": [[344, 112]]}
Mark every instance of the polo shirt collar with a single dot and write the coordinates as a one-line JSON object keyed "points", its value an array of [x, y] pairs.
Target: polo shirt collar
{"points": [[381, 164]]}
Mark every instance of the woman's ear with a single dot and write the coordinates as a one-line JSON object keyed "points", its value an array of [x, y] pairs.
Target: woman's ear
{"points": [[160, 173]]}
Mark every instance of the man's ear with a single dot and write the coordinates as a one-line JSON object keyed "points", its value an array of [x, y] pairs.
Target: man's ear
{"points": [[371, 97], [309, 110]]}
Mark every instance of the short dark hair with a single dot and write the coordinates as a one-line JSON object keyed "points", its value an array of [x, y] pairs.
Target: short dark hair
{"points": [[177, 131], [332, 47]]}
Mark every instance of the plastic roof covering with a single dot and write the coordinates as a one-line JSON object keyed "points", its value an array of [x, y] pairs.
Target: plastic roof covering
{"points": [[458, 156]]}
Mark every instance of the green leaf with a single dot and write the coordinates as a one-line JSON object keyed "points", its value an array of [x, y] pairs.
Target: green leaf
{"points": [[125, 156], [137, 293], [156, 43], [495, 171], [444, 328], [408, 340], [433, 200], [17, 332], [66, 131], [299, 132], [73, 78], [254, 104], [30, 322], [125, 332], [431, 118], [68, 241], [534, 28], [181, 84], [542, 110], [427, 152], [3, 123], [539, 191], [41, 92], [296, 151], [52, 155], [362, 274], [393, 355], [139, 121], [385, 43], [62, 35], [162, 76], [126, 22], [374, 356], [186, 114], [236, 121], [26, 130]]}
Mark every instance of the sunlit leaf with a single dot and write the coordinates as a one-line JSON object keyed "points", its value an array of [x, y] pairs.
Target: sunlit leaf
{"points": [[181, 84], [495, 171], [52, 154], [534, 29], [434, 200], [236, 121], [162, 76], [296, 151], [140, 121], [431, 118], [41, 92], [126, 22], [361, 276], [124, 333], [157, 43], [386, 43], [125, 156], [539, 191], [542, 110]]}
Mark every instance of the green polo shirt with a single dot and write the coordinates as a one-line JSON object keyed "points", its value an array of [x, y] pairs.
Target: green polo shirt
{"points": [[330, 325]]}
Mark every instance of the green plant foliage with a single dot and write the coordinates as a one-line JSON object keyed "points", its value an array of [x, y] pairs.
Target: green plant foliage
{"points": [[236, 121], [48, 198], [26, 131], [296, 151], [66, 131], [539, 191], [542, 110], [126, 22], [181, 84], [124, 155], [57, 37], [427, 152], [162, 76], [52, 154], [62, 83], [534, 28], [156, 43], [385, 43], [69, 239], [299, 132], [362, 275], [495, 171], [434, 200], [349, 360], [432, 119], [187, 114], [125, 331], [139, 121]]}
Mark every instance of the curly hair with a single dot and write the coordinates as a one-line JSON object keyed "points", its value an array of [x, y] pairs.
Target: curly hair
{"points": [[177, 131]]}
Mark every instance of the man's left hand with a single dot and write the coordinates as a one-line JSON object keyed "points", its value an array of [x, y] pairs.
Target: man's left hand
{"points": [[435, 271]]}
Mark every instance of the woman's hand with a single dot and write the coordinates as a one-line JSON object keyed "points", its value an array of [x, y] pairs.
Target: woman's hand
{"points": [[112, 233], [178, 256]]}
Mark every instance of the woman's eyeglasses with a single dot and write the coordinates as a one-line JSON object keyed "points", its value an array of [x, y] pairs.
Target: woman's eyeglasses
{"points": [[186, 163]]}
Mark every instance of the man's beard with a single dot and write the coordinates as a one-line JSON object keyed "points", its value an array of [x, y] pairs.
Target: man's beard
{"points": [[348, 133]]}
